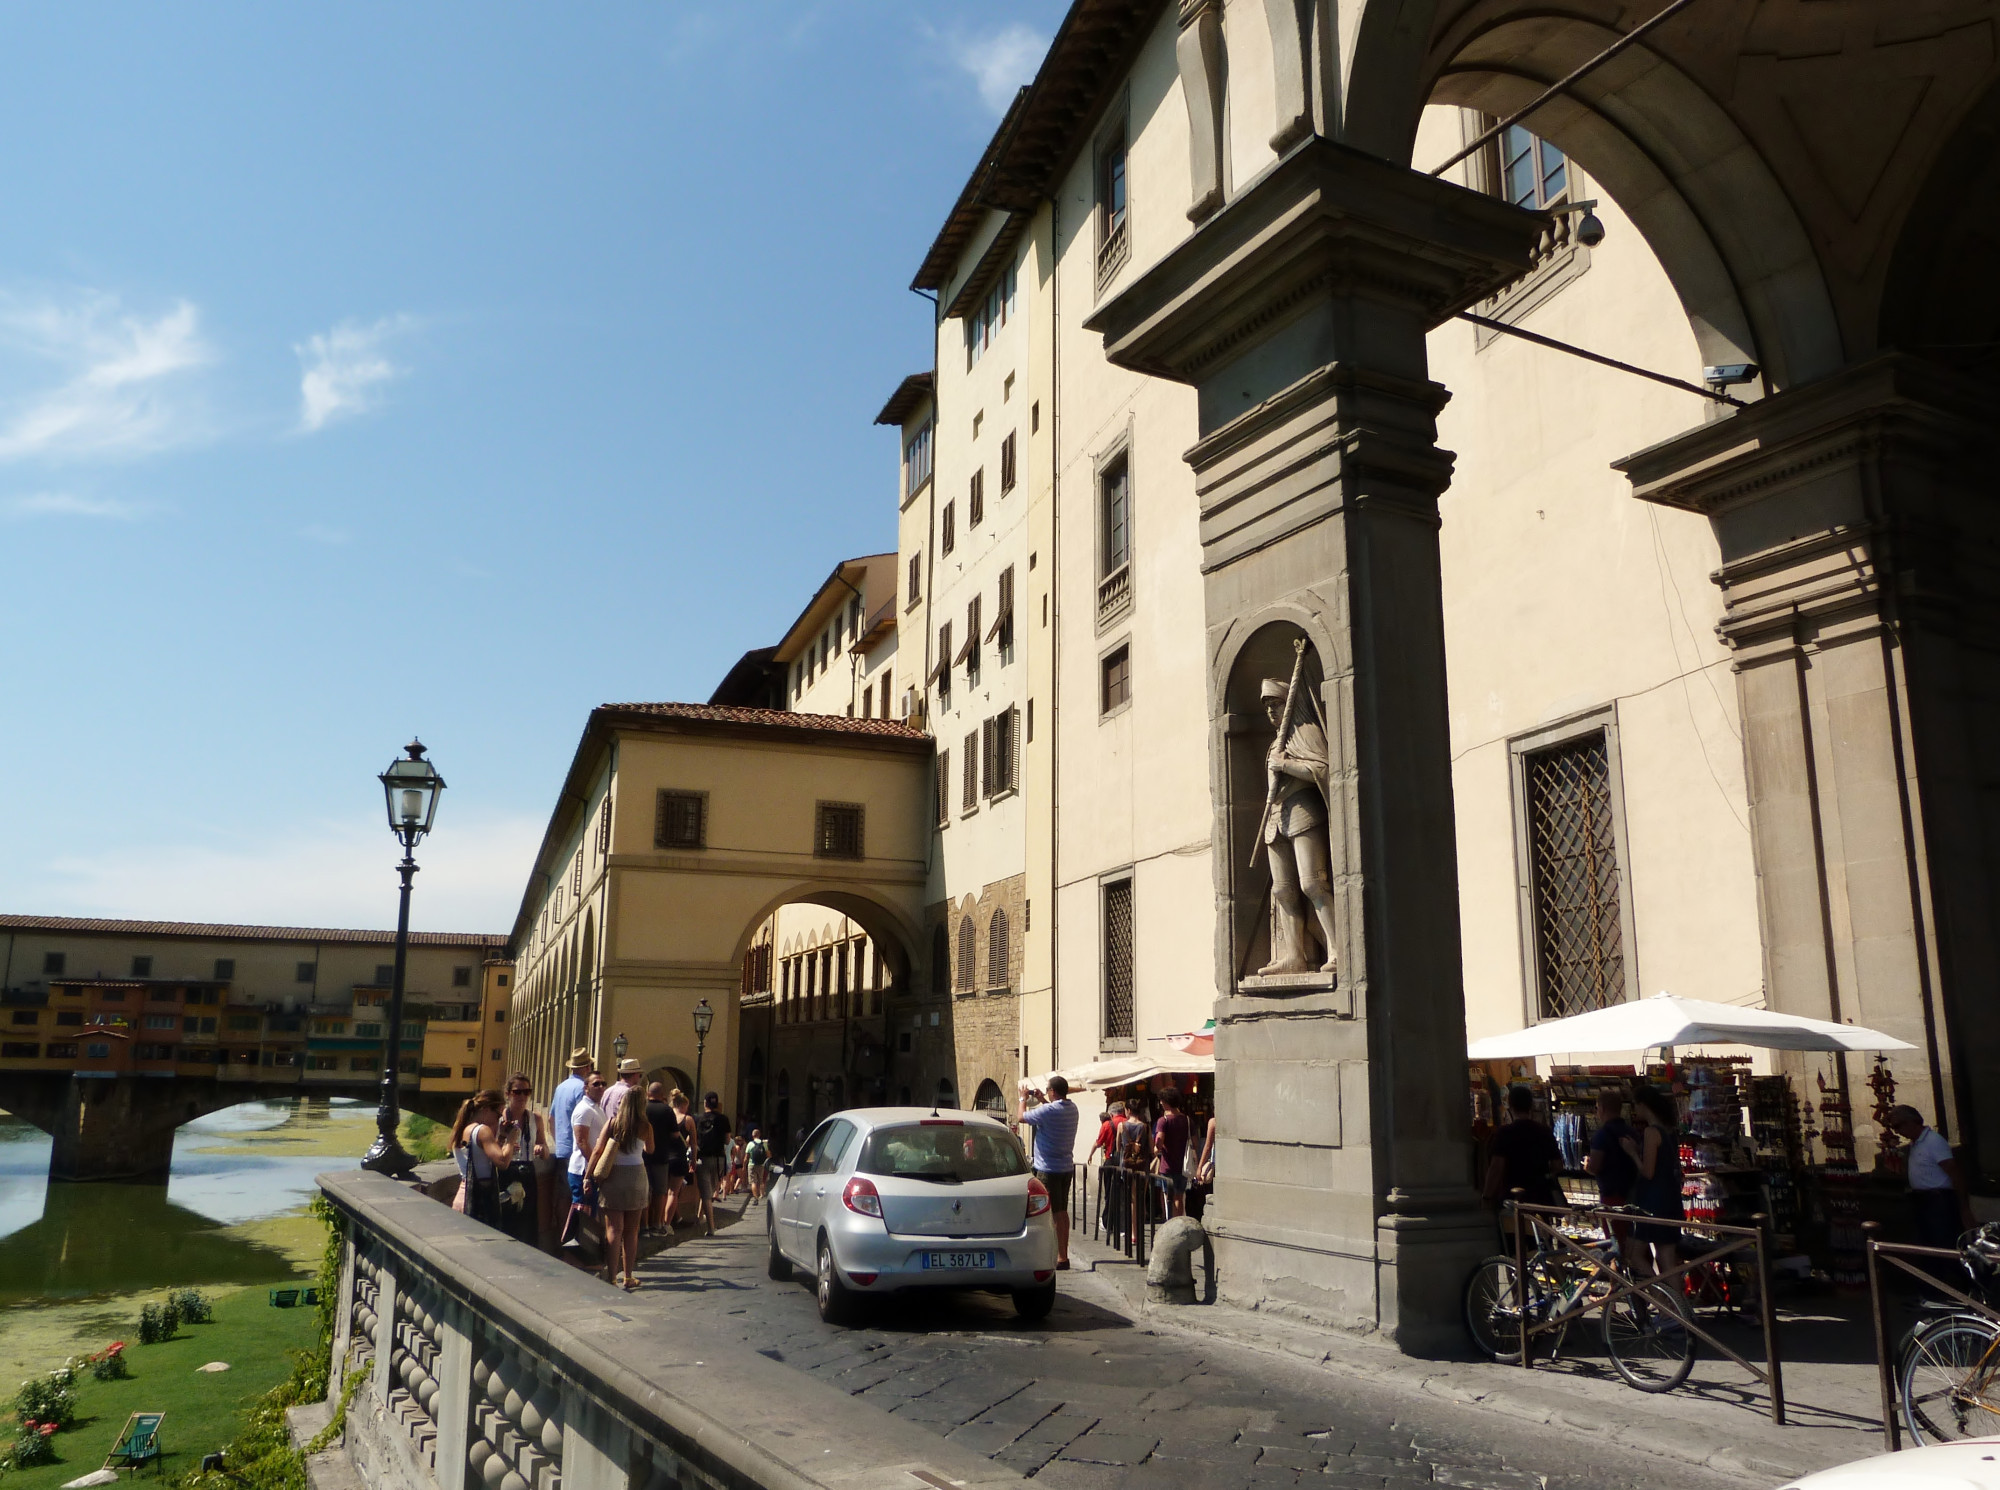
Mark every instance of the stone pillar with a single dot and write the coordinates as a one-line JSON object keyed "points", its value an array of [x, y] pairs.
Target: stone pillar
{"points": [[1298, 313], [1861, 580], [118, 1128], [1198, 49]]}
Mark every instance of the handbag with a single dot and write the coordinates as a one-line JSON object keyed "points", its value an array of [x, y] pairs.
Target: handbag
{"points": [[603, 1161]]}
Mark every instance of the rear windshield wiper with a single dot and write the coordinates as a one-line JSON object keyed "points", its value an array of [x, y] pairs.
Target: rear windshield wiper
{"points": [[947, 1177]]}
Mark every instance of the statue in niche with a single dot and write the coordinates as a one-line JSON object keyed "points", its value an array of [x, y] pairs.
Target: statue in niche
{"points": [[1294, 828]]}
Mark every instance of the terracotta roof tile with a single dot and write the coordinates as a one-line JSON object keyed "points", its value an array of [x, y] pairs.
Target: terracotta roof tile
{"points": [[222, 932], [838, 724]]}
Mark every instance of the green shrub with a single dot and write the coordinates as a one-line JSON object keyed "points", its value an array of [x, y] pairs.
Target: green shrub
{"points": [[194, 1305], [31, 1445], [48, 1400], [158, 1322]]}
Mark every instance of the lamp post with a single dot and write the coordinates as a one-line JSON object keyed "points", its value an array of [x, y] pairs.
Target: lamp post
{"points": [[411, 787], [703, 1018], [620, 1045]]}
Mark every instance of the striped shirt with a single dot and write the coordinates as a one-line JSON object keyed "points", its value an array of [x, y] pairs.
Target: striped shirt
{"points": [[1054, 1125]]}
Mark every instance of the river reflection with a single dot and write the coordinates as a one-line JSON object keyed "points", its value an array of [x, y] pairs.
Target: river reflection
{"points": [[258, 1160]]}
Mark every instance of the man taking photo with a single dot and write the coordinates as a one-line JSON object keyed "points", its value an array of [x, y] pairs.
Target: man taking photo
{"points": [[1054, 1126]]}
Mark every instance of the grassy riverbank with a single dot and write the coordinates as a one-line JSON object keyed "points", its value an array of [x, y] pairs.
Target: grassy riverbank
{"points": [[204, 1409]]}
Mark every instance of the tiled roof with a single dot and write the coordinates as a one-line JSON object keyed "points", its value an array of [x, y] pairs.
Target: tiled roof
{"points": [[835, 724], [219, 932]]}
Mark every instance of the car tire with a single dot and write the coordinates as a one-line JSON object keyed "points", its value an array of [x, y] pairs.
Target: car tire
{"points": [[779, 1266], [1035, 1303], [836, 1300]]}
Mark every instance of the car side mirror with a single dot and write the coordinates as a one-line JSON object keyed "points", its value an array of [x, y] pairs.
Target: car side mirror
{"points": [[778, 1169]]}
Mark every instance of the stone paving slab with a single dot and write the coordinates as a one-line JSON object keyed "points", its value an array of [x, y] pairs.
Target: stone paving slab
{"points": [[1103, 1394]]}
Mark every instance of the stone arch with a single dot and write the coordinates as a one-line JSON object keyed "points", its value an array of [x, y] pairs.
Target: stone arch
{"points": [[947, 1092], [1940, 299], [989, 1097], [886, 927]]}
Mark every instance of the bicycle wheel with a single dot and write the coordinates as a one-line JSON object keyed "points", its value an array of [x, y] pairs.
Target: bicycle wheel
{"points": [[1493, 1308], [1647, 1338], [1951, 1380]]}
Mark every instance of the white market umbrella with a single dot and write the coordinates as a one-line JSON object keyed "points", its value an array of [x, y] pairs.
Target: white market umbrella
{"points": [[1665, 1019]]}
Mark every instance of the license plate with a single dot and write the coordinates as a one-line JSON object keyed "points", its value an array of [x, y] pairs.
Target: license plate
{"points": [[958, 1260]]}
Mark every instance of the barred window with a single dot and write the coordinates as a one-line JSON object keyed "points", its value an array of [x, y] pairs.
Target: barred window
{"points": [[681, 820], [837, 834], [1118, 1022], [1575, 885], [998, 951], [968, 954]]}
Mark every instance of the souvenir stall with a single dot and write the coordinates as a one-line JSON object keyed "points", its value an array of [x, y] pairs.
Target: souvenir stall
{"points": [[1746, 1139]]}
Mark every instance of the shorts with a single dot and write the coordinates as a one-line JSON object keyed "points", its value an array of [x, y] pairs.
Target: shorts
{"points": [[677, 1169], [1057, 1183], [576, 1195], [658, 1180], [1170, 1184], [1620, 1229], [708, 1174]]}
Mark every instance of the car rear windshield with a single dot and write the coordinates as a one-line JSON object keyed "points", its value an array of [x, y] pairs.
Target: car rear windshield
{"points": [[948, 1153]]}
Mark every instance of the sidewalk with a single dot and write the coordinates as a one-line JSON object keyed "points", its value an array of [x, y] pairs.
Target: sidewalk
{"points": [[1718, 1420]]}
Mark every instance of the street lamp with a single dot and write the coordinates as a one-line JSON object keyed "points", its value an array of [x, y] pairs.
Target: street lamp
{"points": [[620, 1045], [704, 1017], [410, 787]]}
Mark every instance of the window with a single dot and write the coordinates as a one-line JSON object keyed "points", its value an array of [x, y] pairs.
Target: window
{"points": [[27, 1016], [385, 974], [305, 972], [112, 996], [63, 1018], [1113, 242], [1575, 887], [164, 1022], [916, 579], [941, 669], [369, 1031], [917, 460], [225, 969], [975, 501], [948, 532], [142, 967], [360, 1063], [998, 950], [968, 800], [62, 1050], [1002, 629], [681, 820], [461, 977], [968, 953], [243, 1021], [502, 980], [982, 326], [1035, 417], [98, 1050], [1533, 173], [944, 788], [1008, 470], [969, 652], [1117, 672], [1114, 538], [604, 828], [1118, 960], [837, 831], [52, 964], [1001, 736]]}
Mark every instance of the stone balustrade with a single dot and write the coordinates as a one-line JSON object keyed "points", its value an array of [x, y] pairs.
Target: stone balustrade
{"points": [[487, 1365]]}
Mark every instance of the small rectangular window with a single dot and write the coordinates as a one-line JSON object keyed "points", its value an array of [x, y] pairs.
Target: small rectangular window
{"points": [[1118, 964], [681, 820], [461, 977], [948, 530], [917, 460], [52, 964], [304, 972], [916, 578], [604, 829], [385, 974], [142, 967], [1008, 471], [975, 501], [837, 831], [225, 969], [1117, 670]]}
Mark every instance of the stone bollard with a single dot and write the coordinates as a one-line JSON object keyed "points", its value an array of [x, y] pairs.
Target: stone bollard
{"points": [[1170, 1273]]}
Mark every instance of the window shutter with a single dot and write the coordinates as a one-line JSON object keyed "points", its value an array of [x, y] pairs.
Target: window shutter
{"points": [[969, 797], [987, 785], [943, 788], [1011, 728]]}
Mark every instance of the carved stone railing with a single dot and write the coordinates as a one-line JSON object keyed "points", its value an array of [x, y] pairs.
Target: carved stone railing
{"points": [[486, 1365]]}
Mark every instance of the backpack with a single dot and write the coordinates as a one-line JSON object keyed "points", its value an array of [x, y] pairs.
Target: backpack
{"points": [[1132, 1150]]}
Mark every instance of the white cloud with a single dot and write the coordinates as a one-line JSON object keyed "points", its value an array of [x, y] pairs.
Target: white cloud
{"points": [[122, 385], [344, 370], [68, 504], [1001, 62], [321, 533], [326, 874]]}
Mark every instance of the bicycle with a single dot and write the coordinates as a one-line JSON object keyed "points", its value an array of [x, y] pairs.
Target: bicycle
{"points": [[1644, 1324], [1949, 1372]]}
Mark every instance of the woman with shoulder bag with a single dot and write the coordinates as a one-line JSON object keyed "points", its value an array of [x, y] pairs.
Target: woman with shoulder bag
{"points": [[481, 1156], [520, 1214], [619, 1167]]}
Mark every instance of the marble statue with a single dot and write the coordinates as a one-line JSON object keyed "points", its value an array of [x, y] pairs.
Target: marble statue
{"points": [[1295, 833]]}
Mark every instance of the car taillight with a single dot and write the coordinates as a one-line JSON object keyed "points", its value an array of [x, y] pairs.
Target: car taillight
{"points": [[862, 1198], [862, 1280], [1042, 1275], [1038, 1197]]}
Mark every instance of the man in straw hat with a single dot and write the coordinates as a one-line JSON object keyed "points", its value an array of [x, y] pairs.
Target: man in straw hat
{"points": [[1295, 834], [562, 1102]]}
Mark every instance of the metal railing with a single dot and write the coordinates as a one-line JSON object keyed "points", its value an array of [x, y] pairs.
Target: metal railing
{"points": [[1543, 1224], [1128, 1212], [1889, 1363]]}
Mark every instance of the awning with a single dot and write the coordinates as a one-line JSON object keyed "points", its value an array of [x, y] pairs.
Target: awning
{"points": [[1125, 1069], [1194, 1042], [1665, 1020]]}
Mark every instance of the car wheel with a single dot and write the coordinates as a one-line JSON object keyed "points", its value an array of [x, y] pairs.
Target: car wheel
{"points": [[779, 1267], [836, 1301], [1035, 1303]]}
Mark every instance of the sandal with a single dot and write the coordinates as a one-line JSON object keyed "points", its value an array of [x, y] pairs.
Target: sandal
{"points": [[631, 1285]]}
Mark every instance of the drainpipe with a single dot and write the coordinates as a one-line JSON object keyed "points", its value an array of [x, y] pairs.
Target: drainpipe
{"points": [[1055, 634]]}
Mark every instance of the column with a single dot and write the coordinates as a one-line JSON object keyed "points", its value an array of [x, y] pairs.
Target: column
{"points": [[1298, 313]]}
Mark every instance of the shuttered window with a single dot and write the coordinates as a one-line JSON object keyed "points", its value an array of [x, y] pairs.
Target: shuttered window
{"points": [[968, 954], [944, 788], [969, 794], [1118, 1022], [1008, 471], [975, 499], [999, 950], [1001, 737], [1575, 883]]}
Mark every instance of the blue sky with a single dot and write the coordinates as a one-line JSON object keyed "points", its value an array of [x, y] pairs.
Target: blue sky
{"points": [[367, 370]]}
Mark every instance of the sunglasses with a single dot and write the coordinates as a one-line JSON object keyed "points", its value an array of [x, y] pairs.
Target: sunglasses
{"points": [[597, 1084], [520, 1091]]}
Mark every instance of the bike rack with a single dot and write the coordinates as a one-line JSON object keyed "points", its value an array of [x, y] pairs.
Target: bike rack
{"points": [[1894, 1254], [1747, 1238]]}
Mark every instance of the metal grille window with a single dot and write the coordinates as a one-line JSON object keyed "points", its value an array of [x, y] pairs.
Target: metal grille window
{"points": [[837, 834], [1118, 1023], [1574, 879], [968, 954], [681, 820]]}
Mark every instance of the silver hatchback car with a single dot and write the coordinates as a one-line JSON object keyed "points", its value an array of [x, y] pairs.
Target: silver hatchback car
{"points": [[882, 1199]]}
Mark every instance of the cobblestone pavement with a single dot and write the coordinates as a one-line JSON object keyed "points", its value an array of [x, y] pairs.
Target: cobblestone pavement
{"points": [[1087, 1398]]}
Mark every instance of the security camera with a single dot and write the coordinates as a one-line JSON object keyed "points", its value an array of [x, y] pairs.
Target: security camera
{"points": [[1729, 374], [1590, 229]]}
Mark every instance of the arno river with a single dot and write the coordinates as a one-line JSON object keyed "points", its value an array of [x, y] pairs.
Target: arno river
{"points": [[229, 1214]]}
